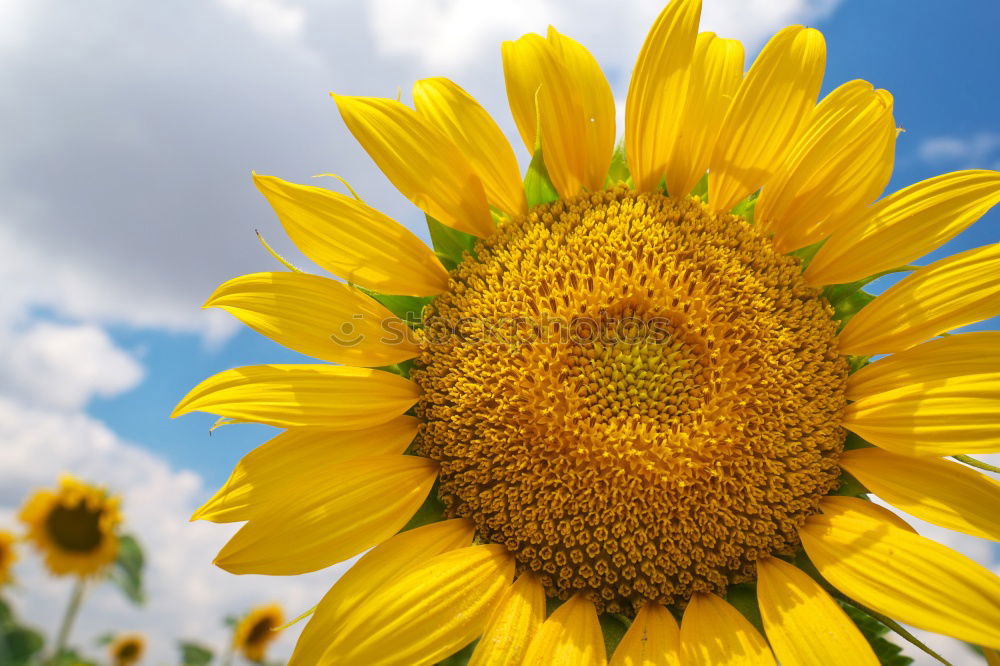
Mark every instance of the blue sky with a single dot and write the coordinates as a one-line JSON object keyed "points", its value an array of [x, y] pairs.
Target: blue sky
{"points": [[130, 142]]}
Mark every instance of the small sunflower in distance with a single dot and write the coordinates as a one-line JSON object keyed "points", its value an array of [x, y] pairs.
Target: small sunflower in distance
{"points": [[74, 527], [8, 555], [258, 630], [127, 649], [638, 387]]}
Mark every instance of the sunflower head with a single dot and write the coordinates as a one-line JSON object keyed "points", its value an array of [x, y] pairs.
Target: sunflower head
{"points": [[258, 629], [7, 556], [127, 649], [74, 527], [627, 390]]}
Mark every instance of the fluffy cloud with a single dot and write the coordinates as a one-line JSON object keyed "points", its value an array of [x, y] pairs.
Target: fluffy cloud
{"points": [[963, 152]]}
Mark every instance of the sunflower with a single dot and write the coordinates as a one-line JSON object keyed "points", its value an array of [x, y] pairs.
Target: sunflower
{"points": [[635, 386], [258, 630], [127, 649], [74, 527], [7, 556]]}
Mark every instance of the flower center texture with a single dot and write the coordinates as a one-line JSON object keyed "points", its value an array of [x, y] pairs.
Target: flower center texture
{"points": [[76, 529], [637, 396]]}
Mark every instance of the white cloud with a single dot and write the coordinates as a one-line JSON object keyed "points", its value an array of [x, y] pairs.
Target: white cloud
{"points": [[271, 17], [976, 151], [63, 366], [188, 597]]}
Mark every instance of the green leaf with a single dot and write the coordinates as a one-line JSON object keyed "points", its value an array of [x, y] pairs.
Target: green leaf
{"points": [[19, 644], [538, 188], [72, 658], [193, 654], [126, 572], [613, 626], [618, 172], [105, 639], [743, 597], [431, 511], [888, 653], [460, 658], [450, 245]]}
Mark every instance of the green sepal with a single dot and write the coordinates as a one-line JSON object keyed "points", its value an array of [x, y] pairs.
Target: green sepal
{"points": [[743, 597], [460, 658], [745, 208], [402, 369], [450, 245], [193, 654], [847, 299], [806, 254], [850, 486], [126, 572], [618, 172], [408, 308], [431, 511], [538, 187], [887, 652], [613, 627], [701, 189]]}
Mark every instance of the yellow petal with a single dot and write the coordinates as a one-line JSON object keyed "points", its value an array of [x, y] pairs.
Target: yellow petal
{"points": [[596, 102], [337, 514], [716, 73], [933, 361], [955, 291], [948, 417], [377, 569], [713, 633], [512, 624], [767, 115], [425, 614], [535, 71], [992, 657], [424, 164], [904, 226], [652, 640], [356, 242], [905, 576], [657, 92], [460, 117], [838, 166], [337, 397], [277, 469], [318, 317], [941, 492], [803, 624], [841, 503], [571, 636]]}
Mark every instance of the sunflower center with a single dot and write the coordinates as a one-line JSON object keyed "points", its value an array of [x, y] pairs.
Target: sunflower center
{"points": [[637, 396], [77, 528], [128, 651], [260, 631]]}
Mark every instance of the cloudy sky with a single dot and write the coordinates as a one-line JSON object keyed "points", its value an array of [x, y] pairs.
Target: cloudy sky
{"points": [[129, 130]]}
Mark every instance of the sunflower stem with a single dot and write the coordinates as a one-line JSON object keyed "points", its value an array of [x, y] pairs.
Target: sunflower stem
{"points": [[72, 610]]}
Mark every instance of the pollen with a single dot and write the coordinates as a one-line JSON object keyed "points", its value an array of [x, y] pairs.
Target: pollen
{"points": [[637, 396]]}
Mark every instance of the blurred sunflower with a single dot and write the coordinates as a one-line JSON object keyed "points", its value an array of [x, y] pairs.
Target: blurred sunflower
{"points": [[7, 556], [74, 527], [258, 630], [632, 377], [127, 649]]}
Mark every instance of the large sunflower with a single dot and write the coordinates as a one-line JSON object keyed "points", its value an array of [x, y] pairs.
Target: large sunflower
{"points": [[74, 527], [630, 386], [7, 556], [258, 629]]}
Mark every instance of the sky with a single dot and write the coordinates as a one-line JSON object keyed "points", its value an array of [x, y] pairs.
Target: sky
{"points": [[129, 131]]}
